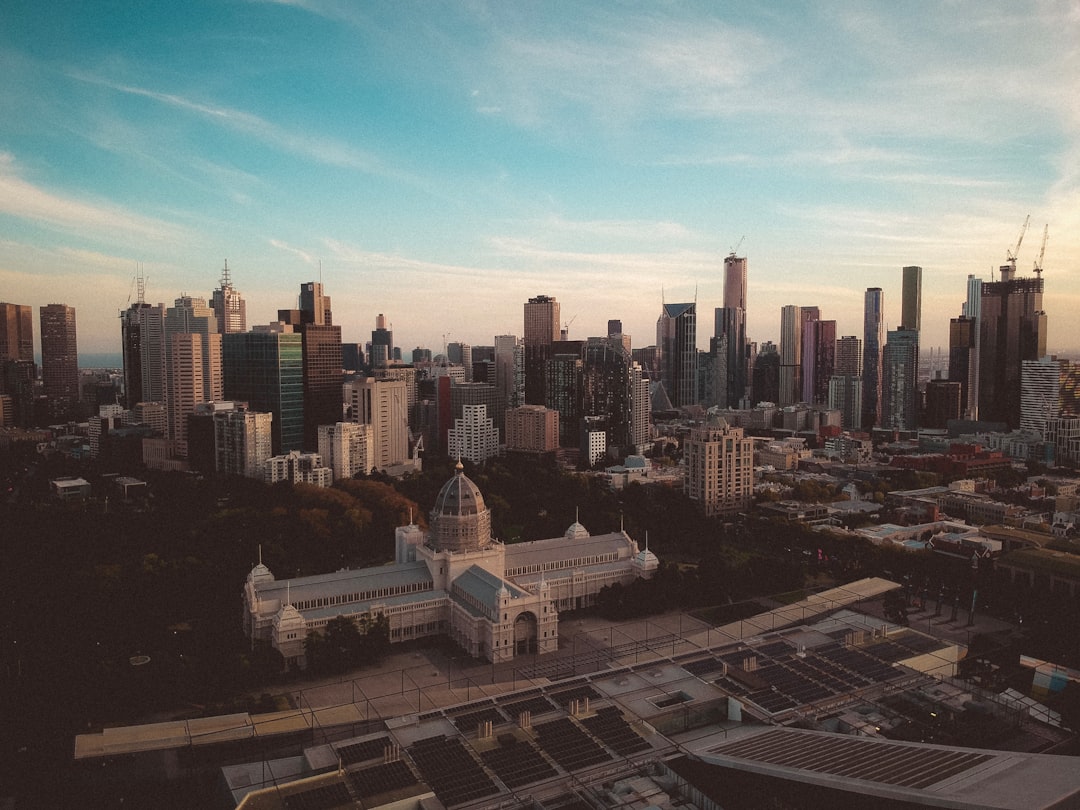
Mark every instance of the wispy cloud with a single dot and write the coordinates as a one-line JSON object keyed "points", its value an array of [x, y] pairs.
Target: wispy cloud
{"points": [[303, 255], [22, 199]]}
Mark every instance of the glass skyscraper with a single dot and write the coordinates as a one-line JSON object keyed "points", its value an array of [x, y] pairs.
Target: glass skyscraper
{"points": [[266, 370]]}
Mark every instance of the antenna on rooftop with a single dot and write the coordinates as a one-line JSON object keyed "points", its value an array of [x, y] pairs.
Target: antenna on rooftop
{"points": [[225, 280]]}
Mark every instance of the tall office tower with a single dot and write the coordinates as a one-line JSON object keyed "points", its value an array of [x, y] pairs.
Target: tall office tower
{"points": [[728, 346], [460, 354], [541, 330], [242, 442], [677, 354], [510, 370], [719, 468], [532, 429], [963, 360], [1048, 391], [614, 327], [406, 373], [818, 359], [641, 410], [900, 380], [60, 361], [191, 363], [942, 403], [562, 386], [347, 449], [972, 310], [845, 386], [1012, 329], [382, 343], [911, 305], [142, 331], [229, 307], [266, 370], [474, 436], [314, 306], [791, 329], [873, 339], [766, 383], [383, 404], [420, 355], [16, 332], [607, 389]]}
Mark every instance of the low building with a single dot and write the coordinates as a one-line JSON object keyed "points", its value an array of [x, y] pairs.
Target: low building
{"points": [[70, 489]]}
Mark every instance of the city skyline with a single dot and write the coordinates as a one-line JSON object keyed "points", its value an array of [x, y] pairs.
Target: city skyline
{"points": [[443, 173]]}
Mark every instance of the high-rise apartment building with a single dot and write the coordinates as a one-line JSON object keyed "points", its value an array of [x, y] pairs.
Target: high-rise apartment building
{"points": [[607, 389], [266, 370], [1012, 329], [563, 379], [229, 307], [911, 303], [16, 332], [728, 350], [641, 410], [791, 331], [845, 386], [735, 282], [963, 360], [1049, 390], [899, 380], [972, 310], [242, 442], [191, 362], [347, 449], [849, 356], [510, 370], [719, 468], [541, 331], [766, 380], [60, 361], [873, 340], [677, 354], [818, 358], [474, 436], [384, 405], [532, 429]]}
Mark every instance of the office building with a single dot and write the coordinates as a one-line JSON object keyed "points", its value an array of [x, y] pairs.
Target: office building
{"points": [[266, 370], [321, 348], [347, 449], [229, 307], [382, 404], [1012, 329], [460, 354], [142, 335], [563, 379], [719, 468], [541, 331], [943, 401], [911, 303], [766, 379], [60, 362], [728, 350], [510, 370], [677, 354], [382, 343], [532, 429], [474, 436], [314, 305], [818, 358], [242, 442], [845, 386], [963, 359], [873, 340], [972, 310], [790, 354], [191, 363], [607, 389], [16, 332], [899, 381]]}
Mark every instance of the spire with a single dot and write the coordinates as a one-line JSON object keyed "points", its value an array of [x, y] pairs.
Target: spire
{"points": [[288, 592], [646, 539], [260, 553], [623, 531], [225, 280], [459, 468]]}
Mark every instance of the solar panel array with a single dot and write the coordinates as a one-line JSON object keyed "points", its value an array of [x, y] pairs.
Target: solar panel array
{"points": [[584, 690], [517, 763], [451, 772], [467, 722], [320, 798], [382, 778], [611, 728], [568, 745], [362, 751], [854, 757], [537, 704]]}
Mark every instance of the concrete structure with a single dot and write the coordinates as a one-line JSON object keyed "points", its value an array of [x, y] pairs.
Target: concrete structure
{"points": [[16, 332], [899, 381], [229, 307], [911, 301], [873, 341], [474, 436], [818, 359], [299, 468], [382, 404], [1049, 391], [347, 449], [497, 602], [719, 468], [192, 363], [963, 361], [60, 361], [532, 429], [242, 442]]}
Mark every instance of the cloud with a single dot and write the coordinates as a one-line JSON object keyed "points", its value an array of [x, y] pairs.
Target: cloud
{"points": [[304, 256], [20, 198]]}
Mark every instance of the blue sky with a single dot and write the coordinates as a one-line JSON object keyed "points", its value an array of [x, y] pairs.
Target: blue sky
{"points": [[446, 161]]}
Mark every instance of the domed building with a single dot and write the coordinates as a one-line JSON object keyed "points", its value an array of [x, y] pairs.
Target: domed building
{"points": [[496, 601]]}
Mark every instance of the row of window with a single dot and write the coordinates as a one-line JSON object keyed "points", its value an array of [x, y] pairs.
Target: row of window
{"points": [[364, 596], [557, 564]]}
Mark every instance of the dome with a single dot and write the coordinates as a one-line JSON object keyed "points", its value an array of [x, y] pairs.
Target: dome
{"points": [[459, 496], [460, 520]]}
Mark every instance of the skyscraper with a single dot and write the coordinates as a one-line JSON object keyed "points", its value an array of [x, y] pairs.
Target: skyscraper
{"points": [[818, 358], [382, 343], [266, 370], [845, 386], [541, 330], [242, 442], [229, 307], [791, 321], [607, 389], [911, 315], [963, 361], [719, 468], [1012, 329], [899, 380], [873, 338], [191, 363], [142, 339], [735, 282], [314, 306], [347, 449], [972, 310], [677, 354], [384, 405], [60, 361], [766, 384], [510, 370], [321, 347], [16, 332]]}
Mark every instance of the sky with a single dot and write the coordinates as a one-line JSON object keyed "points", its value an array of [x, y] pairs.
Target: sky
{"points": [[442, 162]]}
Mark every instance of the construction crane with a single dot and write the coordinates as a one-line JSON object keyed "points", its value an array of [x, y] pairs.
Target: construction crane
{"points": [[1042, 251], [1012, 254], [738, 245], [566, 328]]}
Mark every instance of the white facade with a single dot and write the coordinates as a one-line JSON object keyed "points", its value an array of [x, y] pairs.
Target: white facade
{"points": [[299, 468], [384, 405], [474, 436], [242, 442], [495, 601], [347, 449]]}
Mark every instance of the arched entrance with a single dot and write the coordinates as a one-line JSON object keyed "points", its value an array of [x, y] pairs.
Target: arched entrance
{"points": [[525, 634]]}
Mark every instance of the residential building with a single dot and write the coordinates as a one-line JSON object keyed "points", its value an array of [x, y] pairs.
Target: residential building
{"points": [[818, 359], [563, 379], [16, 332], [347, 449], [299, 468], [899, 380], [963, 360], [382, 343], [1049, 390], [60, 361], [382, 404], [640, 410], [719, 468], [474, 436], [532, 429], [321, 347], [510, 369], [873, 340], [242, 442], [911, 301], [790, 388]]}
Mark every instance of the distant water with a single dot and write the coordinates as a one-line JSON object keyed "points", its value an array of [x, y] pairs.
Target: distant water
{"points": [[101, 360]]}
